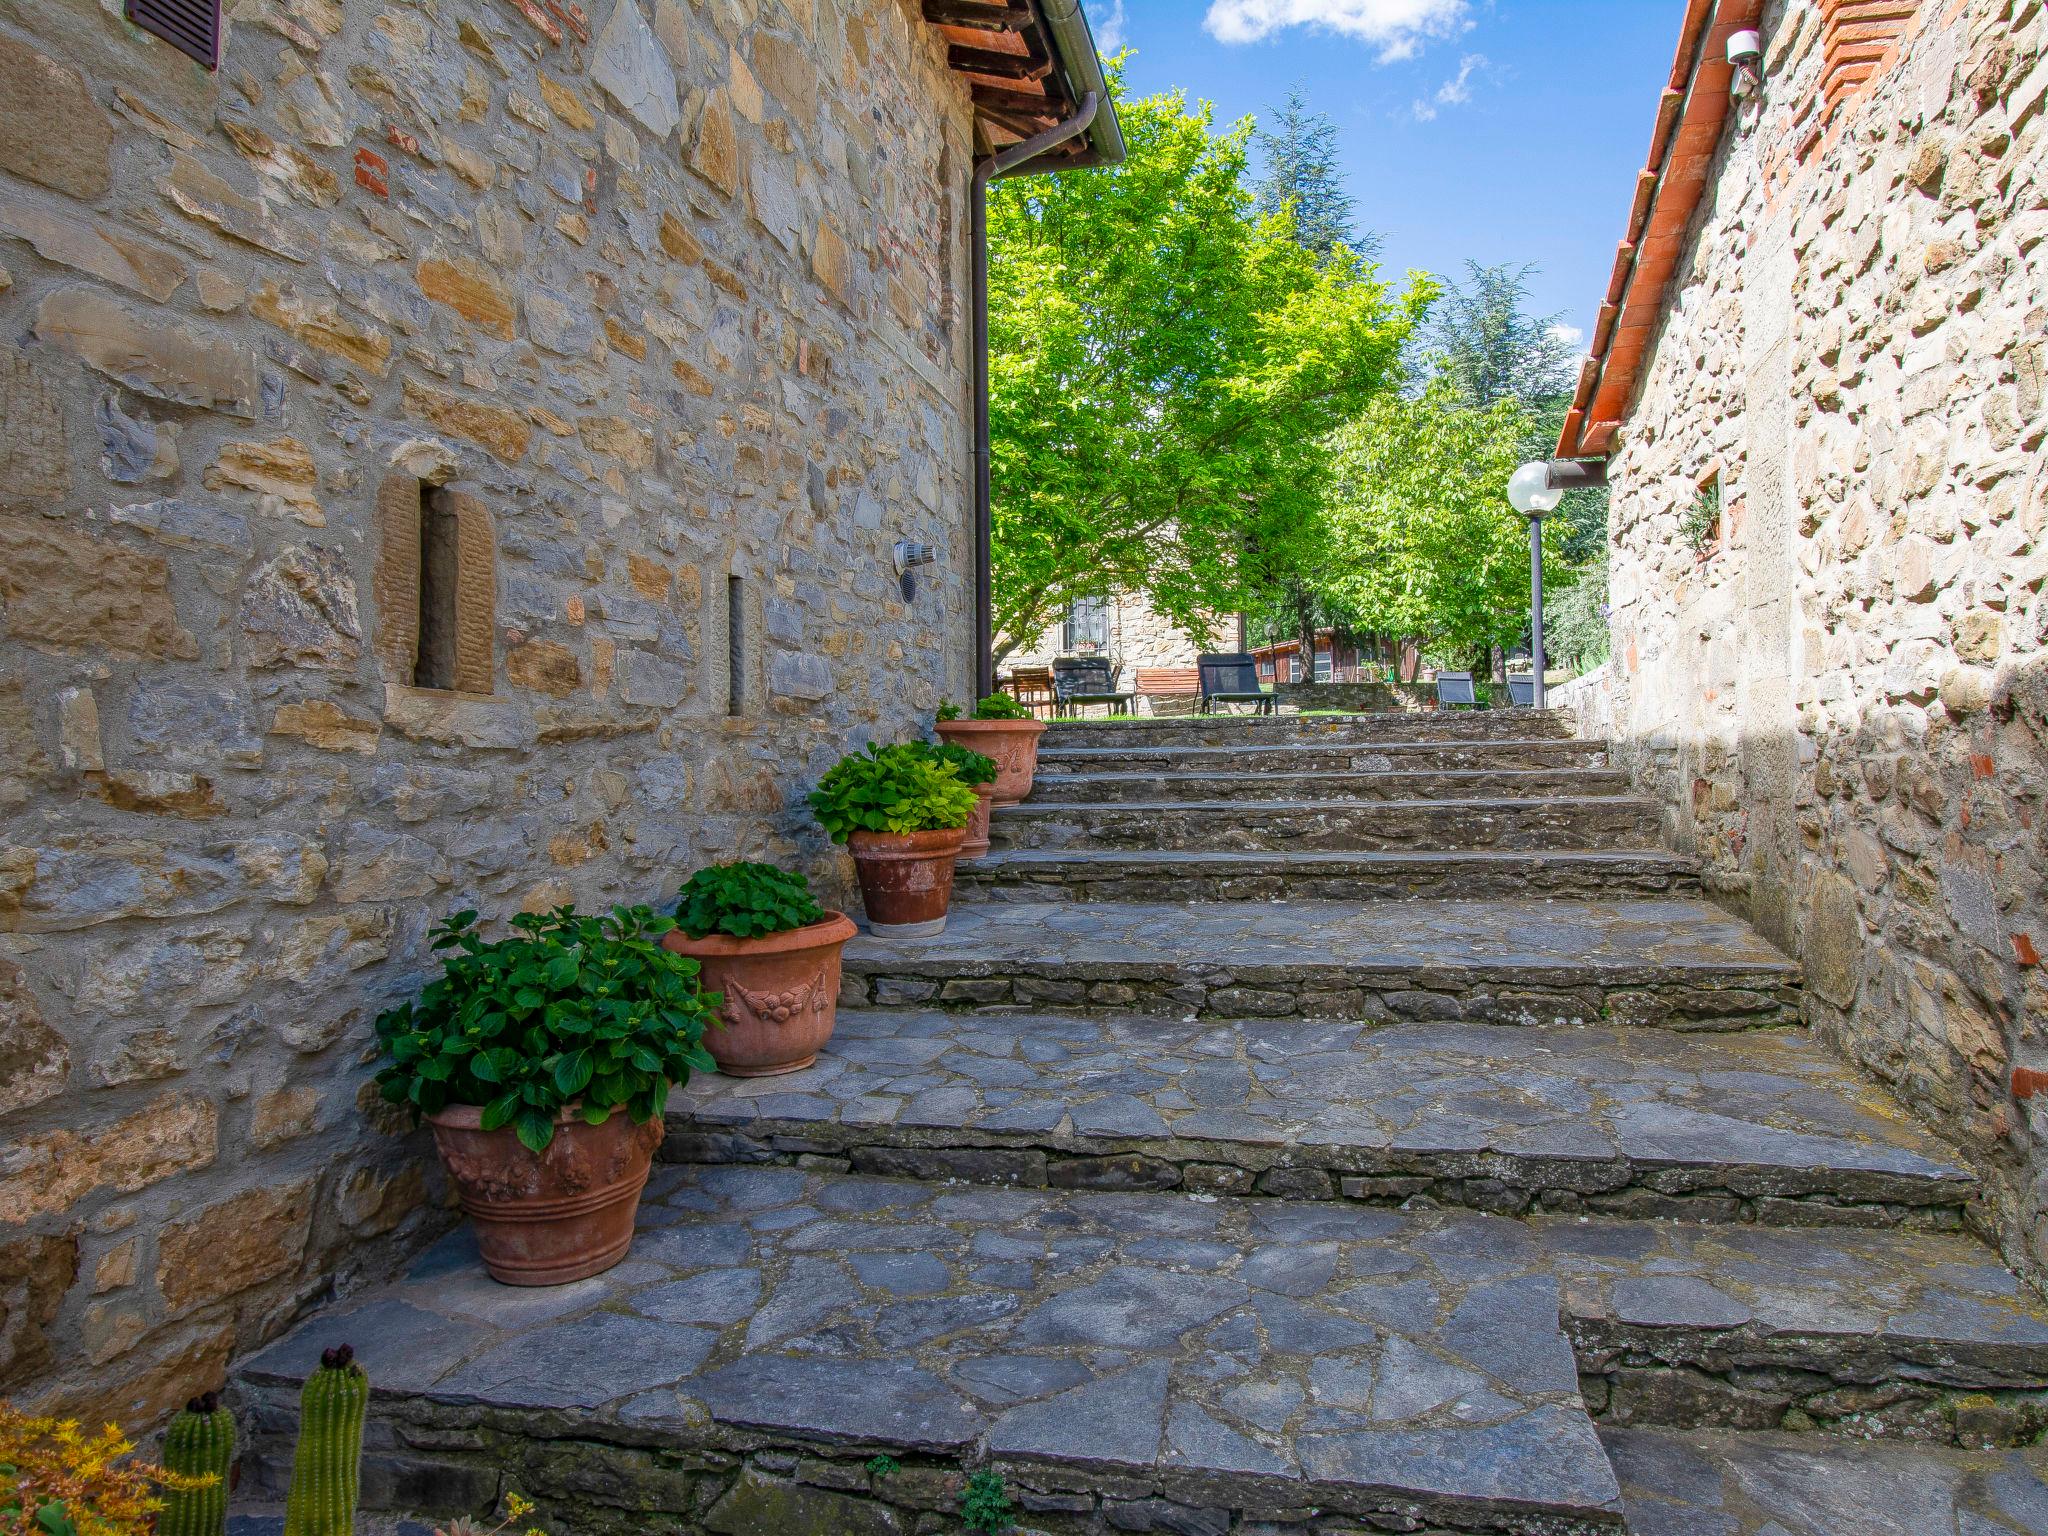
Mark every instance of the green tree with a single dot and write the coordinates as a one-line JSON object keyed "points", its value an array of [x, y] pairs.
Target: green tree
{"points": [[1166, 369], [1482, 340], [1300, 171], [1421, 539]]}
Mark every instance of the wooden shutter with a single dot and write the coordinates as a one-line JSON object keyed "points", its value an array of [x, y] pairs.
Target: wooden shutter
{"points": [[190, 26]]}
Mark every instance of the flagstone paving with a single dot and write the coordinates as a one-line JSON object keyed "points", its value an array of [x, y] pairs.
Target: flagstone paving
{"points": [[1685, 964], [1261, 1191], [1764, 1126], [1257, 1355], [1172, 782], [1300, 874], [1333, 825], [1801, 1485]]}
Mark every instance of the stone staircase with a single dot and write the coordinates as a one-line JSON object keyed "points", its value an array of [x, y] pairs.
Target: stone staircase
{"points": [[1304, 1127]]}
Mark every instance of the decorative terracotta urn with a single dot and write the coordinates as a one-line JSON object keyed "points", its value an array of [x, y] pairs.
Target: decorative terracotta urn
{"points": [[906, 879], [1011, 744], [781, 993], [976, 843], [549, 1217]]}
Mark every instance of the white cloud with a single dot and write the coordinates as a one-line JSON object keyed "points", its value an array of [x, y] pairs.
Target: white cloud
{"points": [[1109, 36], [1567, 335], [1454, 92], [1397, 28]]}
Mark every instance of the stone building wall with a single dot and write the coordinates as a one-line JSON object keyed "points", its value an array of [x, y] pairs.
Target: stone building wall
{"points": [[1139, 636], [391, 425], [1841, 693]]}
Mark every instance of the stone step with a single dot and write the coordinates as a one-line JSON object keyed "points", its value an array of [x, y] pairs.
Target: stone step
{"points": [[1709, 1484], [1258, 782], [1677, 964], [1915, 1334], [1764, 1126], [1083, 874], [1310, 730], [1360, 757], [1124, 1363], [1333, 826]]}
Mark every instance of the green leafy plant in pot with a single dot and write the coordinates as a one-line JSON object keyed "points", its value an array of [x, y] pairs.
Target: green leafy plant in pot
{"points": [[903, 814], [1003, 731], [542, 1061], [772, 953], [978, 773]]}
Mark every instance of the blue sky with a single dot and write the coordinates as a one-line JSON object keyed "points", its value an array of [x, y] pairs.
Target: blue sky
{"points": [[1500, 130]]}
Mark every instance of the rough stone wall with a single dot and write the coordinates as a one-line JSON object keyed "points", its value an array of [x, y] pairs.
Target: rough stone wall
{"points": [[1139, 636], [1842, 695], [598, 330]]}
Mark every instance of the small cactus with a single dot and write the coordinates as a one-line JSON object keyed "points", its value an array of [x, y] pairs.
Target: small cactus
{"points": [[201, 1444], [327, 1465]]}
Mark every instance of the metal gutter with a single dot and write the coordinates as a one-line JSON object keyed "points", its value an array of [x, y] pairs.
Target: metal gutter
{"points": [[1074, 44], [1015, 158]]}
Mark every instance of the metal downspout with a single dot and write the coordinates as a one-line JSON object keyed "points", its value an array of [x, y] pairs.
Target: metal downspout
{"points": [[985, 171]]}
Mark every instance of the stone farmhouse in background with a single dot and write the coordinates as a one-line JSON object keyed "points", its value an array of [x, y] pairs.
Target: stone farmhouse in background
{"points": [[1818, 380], [449, 456]]}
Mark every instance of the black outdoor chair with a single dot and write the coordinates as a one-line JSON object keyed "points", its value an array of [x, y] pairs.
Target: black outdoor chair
{"points": [[1232, 679], [1454, 689], [1522, 690], [1084, 680]]}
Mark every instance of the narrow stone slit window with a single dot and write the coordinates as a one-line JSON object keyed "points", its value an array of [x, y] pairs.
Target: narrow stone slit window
{"points": [[436, 587], [440, 592], [735, 646]]}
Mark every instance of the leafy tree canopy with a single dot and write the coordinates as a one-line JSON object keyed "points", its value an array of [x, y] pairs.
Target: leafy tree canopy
{"points": [[1483, 342], [1167, 366], [1300, 172], [1421, 540]]}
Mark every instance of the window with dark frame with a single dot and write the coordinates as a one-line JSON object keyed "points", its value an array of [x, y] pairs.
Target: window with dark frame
{"points": [[440, 592], [735, 647]]}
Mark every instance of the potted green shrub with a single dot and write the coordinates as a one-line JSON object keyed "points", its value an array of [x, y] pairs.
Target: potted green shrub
{"points": [[772, 952], [979, 774], [1004, 731], [542, 1061], [902, 814]]}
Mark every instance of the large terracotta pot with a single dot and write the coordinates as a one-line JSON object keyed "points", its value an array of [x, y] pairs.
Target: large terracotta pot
{"points": [[546, 1218], [781, 993], [976, 842], [1011, 744], [906, 879]]}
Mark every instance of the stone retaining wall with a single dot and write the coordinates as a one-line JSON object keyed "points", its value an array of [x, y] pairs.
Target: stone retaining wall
{"points": [[481, 347], [1840, 692]]}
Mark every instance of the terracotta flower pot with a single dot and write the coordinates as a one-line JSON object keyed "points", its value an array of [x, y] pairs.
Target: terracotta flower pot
{"points": [[976, 843], [1011, 744], [781, 993], [546, 1218], [906, 879]]}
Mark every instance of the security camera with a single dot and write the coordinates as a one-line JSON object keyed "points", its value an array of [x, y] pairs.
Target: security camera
{"points": [[1745, 53]]}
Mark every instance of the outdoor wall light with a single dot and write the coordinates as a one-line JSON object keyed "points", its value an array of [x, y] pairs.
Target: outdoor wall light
{"points": [[1746, 53], [909, 557], [1530, 491]]}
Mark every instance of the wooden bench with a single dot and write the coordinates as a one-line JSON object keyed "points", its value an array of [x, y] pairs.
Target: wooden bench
{"points": [[1167, 681], [1169, 690]]}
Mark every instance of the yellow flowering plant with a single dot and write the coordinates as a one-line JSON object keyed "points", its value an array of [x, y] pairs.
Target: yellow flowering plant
{"points": [[57, 1480], [516, 1509]]}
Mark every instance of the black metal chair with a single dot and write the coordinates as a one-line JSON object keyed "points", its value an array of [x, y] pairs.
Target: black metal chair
{"points": [[1455, 690], [1231, 679], [1080, 681], [1522, 690]]}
